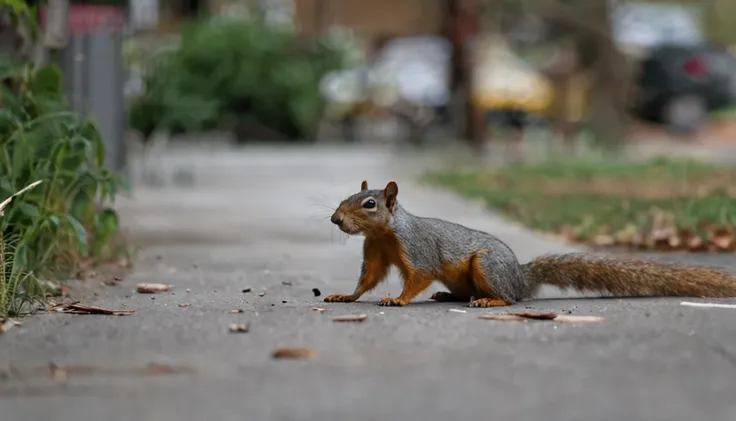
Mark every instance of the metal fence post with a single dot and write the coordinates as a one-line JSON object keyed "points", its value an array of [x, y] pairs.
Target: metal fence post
{"points": [[93, 80]]}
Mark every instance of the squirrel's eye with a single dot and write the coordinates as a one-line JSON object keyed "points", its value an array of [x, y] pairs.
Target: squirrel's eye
{"points": [[370, 204]]}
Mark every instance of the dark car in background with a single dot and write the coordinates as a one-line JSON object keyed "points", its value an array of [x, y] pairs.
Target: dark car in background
{"points": [[678, 85]]}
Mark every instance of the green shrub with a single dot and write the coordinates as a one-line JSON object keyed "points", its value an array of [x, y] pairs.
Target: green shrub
{"points": [[254, 79], [51, 228]]}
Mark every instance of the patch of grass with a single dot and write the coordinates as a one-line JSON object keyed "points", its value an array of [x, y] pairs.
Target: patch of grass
{"points": [[724, 114], [67, 222], [593, 198]]}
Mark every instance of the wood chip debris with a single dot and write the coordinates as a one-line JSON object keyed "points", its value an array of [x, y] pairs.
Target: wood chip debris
{"points": [[6, 325], [239, 310], [707, 305], [536, 316], [320, 309], [294, 353], [79, 308], [112, 281], [152, 288], [564, 318], [455, 310], [350, 318], [239, 327], [183, 305]]}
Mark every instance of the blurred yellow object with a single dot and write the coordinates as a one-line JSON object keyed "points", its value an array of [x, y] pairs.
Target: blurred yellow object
{"points": [[501, 80], [531, 93]]}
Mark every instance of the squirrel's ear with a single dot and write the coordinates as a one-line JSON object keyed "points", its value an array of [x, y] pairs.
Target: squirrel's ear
{"points": [[364, 185], [390, 192]]}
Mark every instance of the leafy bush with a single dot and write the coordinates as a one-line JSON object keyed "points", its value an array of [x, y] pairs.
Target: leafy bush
{"points": [[257, 80], [51, 228]]}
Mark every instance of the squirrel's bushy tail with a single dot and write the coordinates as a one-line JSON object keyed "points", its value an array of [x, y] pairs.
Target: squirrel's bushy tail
{"points": [[629, 277]]}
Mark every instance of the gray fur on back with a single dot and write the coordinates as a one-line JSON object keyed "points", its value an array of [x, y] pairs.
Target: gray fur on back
{"points": [[428, 242]]}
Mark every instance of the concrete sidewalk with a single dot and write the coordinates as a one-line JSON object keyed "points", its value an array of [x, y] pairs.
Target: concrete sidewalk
{"points": [[258, 218]]}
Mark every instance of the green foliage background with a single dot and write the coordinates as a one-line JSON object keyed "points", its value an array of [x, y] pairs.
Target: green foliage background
{"points": [[236, 75], [49, 230]]}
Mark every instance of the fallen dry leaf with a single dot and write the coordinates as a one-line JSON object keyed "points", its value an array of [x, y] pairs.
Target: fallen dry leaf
{"points": [[237, 311], [320, 309], [675, 242], [604, 240], [294, 353], [79, 308], [723, 239], [536, 316], [152, 288], [696, 244], [723, 243], [569, 234], [239, 328], [6, 325], [350, 318]]}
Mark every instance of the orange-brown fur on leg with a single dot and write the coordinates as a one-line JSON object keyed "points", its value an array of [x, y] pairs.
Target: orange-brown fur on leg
{"points": [[487, 296], [375, 267], [456, 278], [414, 283], [465, 280]]}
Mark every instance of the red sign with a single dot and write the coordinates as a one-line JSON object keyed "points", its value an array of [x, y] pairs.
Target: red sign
{"points": [[85, 18]]}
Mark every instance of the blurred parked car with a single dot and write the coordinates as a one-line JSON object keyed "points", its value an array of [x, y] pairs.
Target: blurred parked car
{"points": [[504, 81], [678, 85], [409, 79]]}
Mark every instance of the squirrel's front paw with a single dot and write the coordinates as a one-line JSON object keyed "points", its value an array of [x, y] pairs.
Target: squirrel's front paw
{"points": [[391, 302], [340, 298]]}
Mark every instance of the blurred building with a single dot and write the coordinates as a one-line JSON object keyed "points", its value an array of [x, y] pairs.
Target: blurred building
{"points": [[375, 19]]}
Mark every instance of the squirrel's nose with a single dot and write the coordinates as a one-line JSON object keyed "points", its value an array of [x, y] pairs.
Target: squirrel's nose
{"points": [[336, 219]]}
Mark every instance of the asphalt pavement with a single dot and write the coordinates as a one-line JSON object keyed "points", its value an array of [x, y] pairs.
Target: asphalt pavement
{"points": [[257, 220]]}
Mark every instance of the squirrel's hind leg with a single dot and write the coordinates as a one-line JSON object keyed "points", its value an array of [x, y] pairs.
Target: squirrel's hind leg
{"points": [[489, 294]]}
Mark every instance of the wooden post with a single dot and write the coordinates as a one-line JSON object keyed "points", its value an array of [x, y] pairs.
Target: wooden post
{"points": [[461, 26]]}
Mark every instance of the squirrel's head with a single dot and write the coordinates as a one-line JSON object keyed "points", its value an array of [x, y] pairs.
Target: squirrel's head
{"points": [[368, 211]]}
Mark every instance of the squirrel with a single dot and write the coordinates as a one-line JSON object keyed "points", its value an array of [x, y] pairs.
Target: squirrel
{"points": [[480, 269]]}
